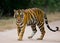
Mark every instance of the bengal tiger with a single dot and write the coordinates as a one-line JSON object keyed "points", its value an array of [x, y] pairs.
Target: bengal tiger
{"points": [[31, 17]]}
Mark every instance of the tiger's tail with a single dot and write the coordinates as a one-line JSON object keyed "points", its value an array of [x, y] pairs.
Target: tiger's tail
{"points": [[46, 21]]}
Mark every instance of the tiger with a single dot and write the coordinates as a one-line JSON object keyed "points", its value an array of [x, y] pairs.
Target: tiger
{"points": [[31, 17]]}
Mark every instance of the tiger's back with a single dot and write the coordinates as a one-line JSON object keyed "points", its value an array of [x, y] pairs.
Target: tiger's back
{"points": [[34, 15]]}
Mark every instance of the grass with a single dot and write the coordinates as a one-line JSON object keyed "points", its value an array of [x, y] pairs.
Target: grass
{"points": [[53, 16], [7, 24]]}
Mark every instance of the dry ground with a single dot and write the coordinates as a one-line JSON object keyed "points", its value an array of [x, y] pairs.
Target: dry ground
{"points": [[11, 36], [7, 24]]}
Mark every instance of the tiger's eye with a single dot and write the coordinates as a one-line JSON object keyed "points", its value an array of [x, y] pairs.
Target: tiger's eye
{"points": [[21, 15]]}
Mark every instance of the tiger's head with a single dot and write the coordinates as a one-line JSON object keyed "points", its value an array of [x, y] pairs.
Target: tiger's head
{"points": [[18, 14]]}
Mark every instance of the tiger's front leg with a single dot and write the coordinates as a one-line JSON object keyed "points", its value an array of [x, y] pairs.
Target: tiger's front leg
{"points": [[18, 30], [21, 33]]}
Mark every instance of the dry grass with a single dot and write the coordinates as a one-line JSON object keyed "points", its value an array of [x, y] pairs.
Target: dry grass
{"points": [[7, 24], [53, 17]]}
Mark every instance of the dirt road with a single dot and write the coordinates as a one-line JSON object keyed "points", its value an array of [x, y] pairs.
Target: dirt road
{"points": [[10, 36]]}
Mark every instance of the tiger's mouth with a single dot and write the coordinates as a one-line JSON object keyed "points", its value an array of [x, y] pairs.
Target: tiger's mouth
{"points": [[19, 20]]}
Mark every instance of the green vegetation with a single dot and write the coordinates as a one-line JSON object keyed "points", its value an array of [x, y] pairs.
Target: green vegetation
{"points": [[7, 6], [7, 10]]}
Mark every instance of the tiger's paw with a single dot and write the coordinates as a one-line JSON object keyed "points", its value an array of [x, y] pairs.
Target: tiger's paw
{"points": [[40, 39], [19, 39], [29, 37]]}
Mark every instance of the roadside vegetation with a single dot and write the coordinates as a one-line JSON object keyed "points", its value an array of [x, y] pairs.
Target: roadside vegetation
{"points": [[10, 23]]}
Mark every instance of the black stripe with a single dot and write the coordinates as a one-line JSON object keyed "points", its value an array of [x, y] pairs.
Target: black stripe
{"points": [[46, 22], [38, 23], [48, 26], [41, 25], [45, 17], [34, 28], [21, 23], [19, 29]]}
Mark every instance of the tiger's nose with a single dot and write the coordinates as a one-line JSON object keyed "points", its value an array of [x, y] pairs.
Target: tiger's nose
{"points": [[18, 21]]}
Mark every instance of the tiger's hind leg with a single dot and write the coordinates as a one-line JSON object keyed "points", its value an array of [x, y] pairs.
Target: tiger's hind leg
{"points": [[41, 27], [34, 31]]}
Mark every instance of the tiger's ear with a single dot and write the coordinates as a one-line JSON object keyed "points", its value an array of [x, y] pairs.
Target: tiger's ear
{"points": [[14, 10]]}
